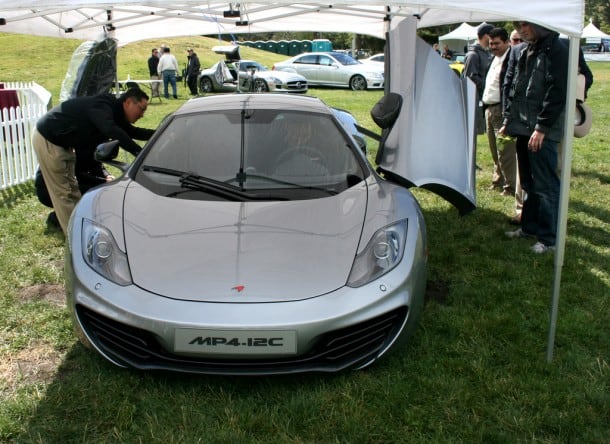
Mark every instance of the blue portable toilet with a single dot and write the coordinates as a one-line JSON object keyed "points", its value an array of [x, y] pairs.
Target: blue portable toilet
{"points": [[321, 45]]}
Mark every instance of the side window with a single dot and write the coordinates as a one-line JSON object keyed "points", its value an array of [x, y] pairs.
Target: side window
{"points": [[325, 61], [307, 59]]}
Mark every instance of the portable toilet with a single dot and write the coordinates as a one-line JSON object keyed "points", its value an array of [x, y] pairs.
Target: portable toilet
{"points": [[306, 46], [318, 45], [282, 47], [271, 46], [260, 44], [294, 47]]}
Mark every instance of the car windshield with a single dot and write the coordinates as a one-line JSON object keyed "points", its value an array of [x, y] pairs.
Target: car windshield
{"points": [[345, 59], [251, 155]]}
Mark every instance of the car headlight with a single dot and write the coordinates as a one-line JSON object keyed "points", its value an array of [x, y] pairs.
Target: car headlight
{"points": [[383, 252], [103, 255], [376, 75]]}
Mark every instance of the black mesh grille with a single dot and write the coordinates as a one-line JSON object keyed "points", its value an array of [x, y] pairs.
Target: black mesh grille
{"points": [[334, 351]]}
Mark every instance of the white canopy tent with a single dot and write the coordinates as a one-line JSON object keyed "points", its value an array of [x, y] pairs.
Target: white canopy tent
{"points": [[592, 34], [132, 20], [460, 37]]}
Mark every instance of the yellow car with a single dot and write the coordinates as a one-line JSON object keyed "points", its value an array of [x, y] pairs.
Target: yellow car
{"points": [[457, 64]]}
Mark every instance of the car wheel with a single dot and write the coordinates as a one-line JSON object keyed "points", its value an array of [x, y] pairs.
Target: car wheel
{"points": [[357, 83], [205, 85], [260, 86]]}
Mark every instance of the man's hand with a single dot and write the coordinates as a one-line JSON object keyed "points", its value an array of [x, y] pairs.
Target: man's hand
{"points": [[535, 142]]}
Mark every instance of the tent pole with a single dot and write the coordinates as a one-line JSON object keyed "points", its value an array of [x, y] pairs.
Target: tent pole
{"points": [[566, 170]]}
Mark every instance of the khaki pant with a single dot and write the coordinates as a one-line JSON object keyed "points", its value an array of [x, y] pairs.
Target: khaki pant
{"points": [[504, 155], [57, 167]]}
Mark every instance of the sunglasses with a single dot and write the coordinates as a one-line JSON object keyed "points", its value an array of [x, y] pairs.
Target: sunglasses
{"points": [[517, 40]]}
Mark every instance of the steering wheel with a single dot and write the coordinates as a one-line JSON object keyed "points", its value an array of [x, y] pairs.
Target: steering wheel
{"points": [[301, 160]]}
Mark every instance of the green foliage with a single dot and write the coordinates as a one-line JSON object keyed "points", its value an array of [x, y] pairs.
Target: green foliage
{"points": [[475, 370]]}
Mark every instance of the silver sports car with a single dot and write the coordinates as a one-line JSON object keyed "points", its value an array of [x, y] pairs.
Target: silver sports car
{"points": [[253, 236]]}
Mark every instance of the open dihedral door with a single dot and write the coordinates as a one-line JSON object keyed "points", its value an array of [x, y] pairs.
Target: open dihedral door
{"points": [[427, 146]]}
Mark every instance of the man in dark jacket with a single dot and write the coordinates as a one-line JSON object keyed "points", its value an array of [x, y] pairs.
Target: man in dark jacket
{"points": [[80, 124], [535, 115], [476, 63], [192, 71]]}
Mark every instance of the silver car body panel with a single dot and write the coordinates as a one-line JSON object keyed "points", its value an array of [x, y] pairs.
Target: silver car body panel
{"points": [[426, 147], [257, 240], [310, 318]]}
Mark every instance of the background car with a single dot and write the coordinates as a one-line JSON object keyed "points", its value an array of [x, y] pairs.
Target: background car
{"points": [[456, 63], [247, 76], [376, 58], [251, 236], [334, 69]]}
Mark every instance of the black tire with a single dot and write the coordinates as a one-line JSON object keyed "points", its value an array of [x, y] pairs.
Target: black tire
{"points": [[357, 83], [206, 85], [260, 86]]}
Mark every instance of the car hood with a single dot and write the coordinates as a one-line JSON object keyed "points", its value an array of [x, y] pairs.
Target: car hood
{"points": [[432, 143], [242, 251]]}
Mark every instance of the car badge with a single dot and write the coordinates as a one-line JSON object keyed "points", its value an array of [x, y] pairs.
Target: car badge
{"points": [[238, 288]]}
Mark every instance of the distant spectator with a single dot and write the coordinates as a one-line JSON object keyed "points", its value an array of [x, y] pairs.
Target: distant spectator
{"points": [[192, 71], [167, 69], [476, 63], [153, 62], [447, 53]]}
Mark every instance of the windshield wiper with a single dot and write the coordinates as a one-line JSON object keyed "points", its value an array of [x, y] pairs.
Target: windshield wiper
{"points": [[193, 181], [243, 178]]}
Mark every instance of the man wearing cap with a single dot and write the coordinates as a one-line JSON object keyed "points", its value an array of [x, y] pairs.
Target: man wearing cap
{"points": [[535, 115], [476, 64], [192, 71]]}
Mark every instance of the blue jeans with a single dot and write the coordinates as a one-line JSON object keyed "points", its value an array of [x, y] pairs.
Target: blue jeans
{"points": [[169, 76], [539, 179]]}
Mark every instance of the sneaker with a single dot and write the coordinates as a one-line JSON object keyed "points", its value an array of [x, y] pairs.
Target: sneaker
{"points": [[540, 248], [517, 234], [507, 192]]}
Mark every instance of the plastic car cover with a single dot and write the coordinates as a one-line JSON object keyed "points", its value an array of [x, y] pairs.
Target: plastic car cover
{"points": [[432, 143], [92, 69]]}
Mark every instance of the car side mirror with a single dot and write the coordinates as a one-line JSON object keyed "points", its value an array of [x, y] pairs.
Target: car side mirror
{"points": [[106, 152]]}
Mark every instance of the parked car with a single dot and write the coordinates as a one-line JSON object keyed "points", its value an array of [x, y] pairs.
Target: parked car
{"points": [[247, 76], [456, 63], [252, 236], [334, 69], [376, 58]]}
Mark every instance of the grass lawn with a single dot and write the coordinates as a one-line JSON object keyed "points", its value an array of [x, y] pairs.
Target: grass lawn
{"points": [[475, 370]]}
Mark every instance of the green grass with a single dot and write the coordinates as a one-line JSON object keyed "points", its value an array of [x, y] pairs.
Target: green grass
{"points": [[475, 370]]}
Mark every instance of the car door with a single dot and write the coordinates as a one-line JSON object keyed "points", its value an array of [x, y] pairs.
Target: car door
{"points": [[432, 142], [329, 71], [307, 66]]}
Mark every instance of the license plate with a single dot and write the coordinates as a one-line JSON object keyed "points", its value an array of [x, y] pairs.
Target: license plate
{"points": [[235, 342]]}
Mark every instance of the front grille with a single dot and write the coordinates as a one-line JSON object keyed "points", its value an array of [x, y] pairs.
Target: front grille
{"points": [[334, 351], [296, 85]]}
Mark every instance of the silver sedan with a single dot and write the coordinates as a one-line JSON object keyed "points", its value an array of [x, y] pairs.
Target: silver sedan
{"points": [[334, 69]]}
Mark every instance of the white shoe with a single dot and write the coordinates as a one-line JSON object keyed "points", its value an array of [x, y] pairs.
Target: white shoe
{"points": [[518, 233], [540, 248]]}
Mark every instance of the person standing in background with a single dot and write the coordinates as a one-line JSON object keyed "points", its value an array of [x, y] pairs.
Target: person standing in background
{"points": [[167, 69], [192, 71], [153, 62]]}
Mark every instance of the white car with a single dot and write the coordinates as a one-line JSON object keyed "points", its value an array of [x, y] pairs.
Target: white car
{"points": [[334, 69]]}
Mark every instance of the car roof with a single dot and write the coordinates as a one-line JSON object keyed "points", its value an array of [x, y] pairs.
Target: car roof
{"points": [[261, 101]]}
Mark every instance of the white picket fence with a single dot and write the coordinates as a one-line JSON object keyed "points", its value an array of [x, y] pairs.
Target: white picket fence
{"points": [[18, 161]]}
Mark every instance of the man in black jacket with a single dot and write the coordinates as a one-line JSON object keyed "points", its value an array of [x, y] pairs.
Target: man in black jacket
{"points": [[80, 124], [192, 71], [535, 115]]}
